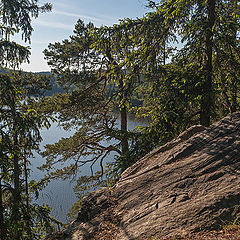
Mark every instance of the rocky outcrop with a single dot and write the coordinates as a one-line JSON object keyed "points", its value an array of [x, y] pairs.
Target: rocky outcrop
{"points": [[188, 185]]}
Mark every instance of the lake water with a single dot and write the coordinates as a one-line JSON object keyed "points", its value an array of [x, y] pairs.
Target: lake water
{"points": [[59, 194]]}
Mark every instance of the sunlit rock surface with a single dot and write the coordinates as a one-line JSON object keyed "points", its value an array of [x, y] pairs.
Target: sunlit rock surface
{"points": [[190, 184]]}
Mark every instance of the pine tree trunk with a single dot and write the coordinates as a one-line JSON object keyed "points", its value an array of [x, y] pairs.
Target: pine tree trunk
{"points": [[234, 100], [207, 94], [235, 90], [123, 120], [27, 214], [123, 112], [16, 193], [2, 226]]}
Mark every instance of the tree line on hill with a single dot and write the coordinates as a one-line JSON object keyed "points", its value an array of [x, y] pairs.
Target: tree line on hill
{"points": [[101, 69]]}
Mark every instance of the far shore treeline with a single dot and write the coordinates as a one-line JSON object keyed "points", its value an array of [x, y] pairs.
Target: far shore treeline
{"points": [[178, 66]]}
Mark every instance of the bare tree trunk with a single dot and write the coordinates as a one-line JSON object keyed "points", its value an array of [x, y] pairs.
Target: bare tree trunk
{"points": [[207, 94]]}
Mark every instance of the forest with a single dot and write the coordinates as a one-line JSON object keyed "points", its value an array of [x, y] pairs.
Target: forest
{"points": [[177, 66]]}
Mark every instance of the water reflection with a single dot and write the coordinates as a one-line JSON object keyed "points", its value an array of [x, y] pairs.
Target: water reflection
{"points": [[59, 194]]}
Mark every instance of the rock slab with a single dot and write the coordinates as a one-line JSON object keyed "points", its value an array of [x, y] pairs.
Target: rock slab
{"points": [[188, 185]]}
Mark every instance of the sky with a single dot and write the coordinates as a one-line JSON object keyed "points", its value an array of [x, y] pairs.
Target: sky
{"points": [[58, 25]]}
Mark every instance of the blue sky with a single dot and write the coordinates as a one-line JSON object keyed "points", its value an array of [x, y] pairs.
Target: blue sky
{"points": [[59, 24]]}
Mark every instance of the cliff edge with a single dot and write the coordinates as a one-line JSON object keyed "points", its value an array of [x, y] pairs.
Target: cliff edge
{"points": [[188, 185]]}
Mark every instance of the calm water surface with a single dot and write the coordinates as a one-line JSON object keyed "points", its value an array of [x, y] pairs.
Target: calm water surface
{"points": [[59, 194]]}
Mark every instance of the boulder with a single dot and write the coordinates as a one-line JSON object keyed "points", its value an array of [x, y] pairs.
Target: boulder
{"points": [[188, 185]]}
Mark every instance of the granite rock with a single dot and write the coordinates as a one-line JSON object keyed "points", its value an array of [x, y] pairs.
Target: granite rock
{"points": [[188, 185]]}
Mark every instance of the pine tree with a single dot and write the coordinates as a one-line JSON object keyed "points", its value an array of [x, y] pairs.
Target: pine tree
{"points": [[19, 128], [207, 57], [179, 86], [196, 82], [90, 65]]}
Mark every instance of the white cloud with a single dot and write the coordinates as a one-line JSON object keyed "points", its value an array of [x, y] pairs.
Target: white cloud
{"points": [[99, 19], [69, 14], [53, 24]]}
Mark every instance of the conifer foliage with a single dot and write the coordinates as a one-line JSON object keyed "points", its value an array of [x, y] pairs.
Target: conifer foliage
{"points": [[181, 60], [19, 127], [188, 52], [89, 65]]}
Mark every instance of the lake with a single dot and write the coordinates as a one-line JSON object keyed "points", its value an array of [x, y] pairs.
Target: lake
{"points": [[59, 194]]}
